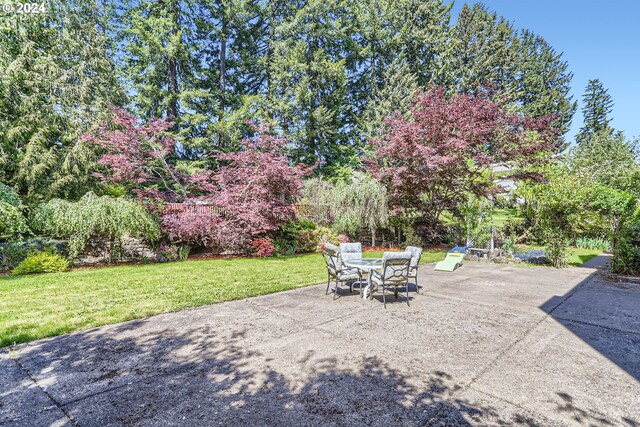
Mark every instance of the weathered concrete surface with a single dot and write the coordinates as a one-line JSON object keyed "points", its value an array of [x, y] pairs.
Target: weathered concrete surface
{"points": [[22, 402], [484, 345]]}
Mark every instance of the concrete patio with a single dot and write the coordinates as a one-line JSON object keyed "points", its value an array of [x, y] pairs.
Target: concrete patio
{"points": [[484, 345]]}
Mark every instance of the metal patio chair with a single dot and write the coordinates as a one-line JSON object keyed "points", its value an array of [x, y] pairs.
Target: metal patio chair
{"points": [[394, 274], [337, 270], [416, 254], [350, 251]]}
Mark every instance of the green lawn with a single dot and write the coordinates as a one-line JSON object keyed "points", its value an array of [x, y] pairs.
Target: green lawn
{"points": [[45, 305], [575, 256], [500, 216]]}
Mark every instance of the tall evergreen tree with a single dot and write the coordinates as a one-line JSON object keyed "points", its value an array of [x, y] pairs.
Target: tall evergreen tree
{"points": [[483, 52], [56, 77], [309, 78], [162, 65], [486, 52], [609, 160], [423, 36], [543, 81], [596, 109], [393, 95], [234, 39]]}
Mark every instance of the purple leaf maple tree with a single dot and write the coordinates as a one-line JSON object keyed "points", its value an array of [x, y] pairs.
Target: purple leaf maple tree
{"points": [[432, 159], [251, 193]]}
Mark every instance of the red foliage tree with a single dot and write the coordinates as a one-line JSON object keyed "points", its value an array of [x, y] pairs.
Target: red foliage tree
{"points": [[444, 149], [257, 188], [252, 192], [138, 156]]}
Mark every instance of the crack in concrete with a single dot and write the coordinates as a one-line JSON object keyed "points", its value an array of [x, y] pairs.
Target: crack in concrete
{"points": [[46, 393]]}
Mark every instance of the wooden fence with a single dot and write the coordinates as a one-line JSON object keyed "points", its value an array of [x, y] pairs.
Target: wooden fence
{"points": [[321, 216]]}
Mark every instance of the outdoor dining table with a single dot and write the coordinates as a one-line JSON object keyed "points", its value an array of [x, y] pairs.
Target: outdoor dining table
{"points": [[365, 265]]}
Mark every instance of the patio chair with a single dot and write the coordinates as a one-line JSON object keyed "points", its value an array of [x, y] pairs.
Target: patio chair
{"points": [[336, 270], [452, 261], [395, 274], [350, 251], [416, 254]]}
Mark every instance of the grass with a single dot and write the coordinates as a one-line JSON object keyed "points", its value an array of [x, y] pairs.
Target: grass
{"points": [[501, 216], [46, 305], [575, 256]]}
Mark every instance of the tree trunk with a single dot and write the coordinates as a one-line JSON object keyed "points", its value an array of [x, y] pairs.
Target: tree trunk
{"points": [[270, 42], [373, 237], [173, 64], [223, 59]]}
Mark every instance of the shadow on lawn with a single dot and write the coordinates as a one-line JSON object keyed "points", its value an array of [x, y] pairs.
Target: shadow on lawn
{"points": [[208, 376]]}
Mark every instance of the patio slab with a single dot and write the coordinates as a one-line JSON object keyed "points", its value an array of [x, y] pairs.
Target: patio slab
{"points": [[22, 402], [484, 345]]}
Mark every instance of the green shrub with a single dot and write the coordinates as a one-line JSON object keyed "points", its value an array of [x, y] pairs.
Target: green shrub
{"points": [[14, 252], [593, 243], [326, 235], [411, 238], [509, 245], [283, 247], [183, 252], [513, 227], [12, 222], [102, 221], [556, 248], [41, 262], [296, 236], [626, 253], [9, 195], [307, 241]]}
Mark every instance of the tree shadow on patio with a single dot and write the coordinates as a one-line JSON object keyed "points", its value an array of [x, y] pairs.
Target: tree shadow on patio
{"points": [[131, 374]]}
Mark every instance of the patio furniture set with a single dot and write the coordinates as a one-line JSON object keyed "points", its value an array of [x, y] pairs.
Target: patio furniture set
{"points": [[346, 265]]}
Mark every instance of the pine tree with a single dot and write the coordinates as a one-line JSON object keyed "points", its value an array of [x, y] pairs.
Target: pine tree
{"points": [[543, 81], [423, 36], [486, 52], [309, 81], [393, 94], [57, 79], [234, 36], [483, 52], [597, 107], [163, 67]]}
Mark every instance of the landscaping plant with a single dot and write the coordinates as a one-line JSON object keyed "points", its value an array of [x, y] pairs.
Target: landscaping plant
{"points": [[431, 160], [14, 252], [99, 221], [41, 262], [509, 245], [12, 221], [626, 252], [593, 243], [251, 193], [556, 244], [263, 247]]}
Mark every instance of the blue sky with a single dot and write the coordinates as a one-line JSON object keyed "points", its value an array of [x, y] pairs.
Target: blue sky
{"points": [[599, 39]]}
